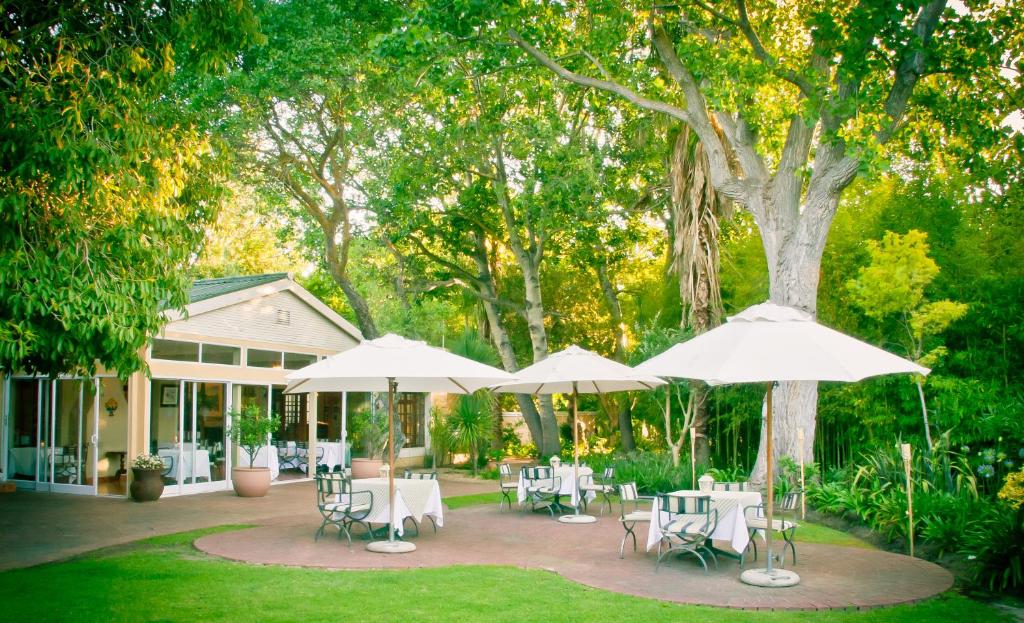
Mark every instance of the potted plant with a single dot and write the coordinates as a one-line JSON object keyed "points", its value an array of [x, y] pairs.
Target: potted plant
{"points": [[371, 429], [250, 430], [147, 478]]}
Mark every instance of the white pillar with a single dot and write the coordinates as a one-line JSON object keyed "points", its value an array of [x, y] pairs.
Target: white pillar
{"points": [[344, 428]]}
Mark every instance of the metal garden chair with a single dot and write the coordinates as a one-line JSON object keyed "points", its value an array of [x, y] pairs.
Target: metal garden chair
{"points": [[686, 525], [507, 484], [729, 486], [169, 476], [411, 475], [542, 487], [630, 514], [340, 506], [304, 458], [604, 487], [756, 520], [286, 457]]}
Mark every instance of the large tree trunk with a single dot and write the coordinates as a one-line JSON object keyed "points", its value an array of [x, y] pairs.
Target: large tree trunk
{"points": [[611, 299], [794, 240], [499, 335], [336, 267]]}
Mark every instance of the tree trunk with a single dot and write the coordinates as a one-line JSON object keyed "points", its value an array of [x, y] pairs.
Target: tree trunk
{"points": [[924, 414], [611, 299], [488, 292], [355, 300], [793, 241]]}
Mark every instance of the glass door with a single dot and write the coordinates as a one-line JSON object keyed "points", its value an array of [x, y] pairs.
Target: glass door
{"points": [[188, 429], [23, 409], [72, 428]]}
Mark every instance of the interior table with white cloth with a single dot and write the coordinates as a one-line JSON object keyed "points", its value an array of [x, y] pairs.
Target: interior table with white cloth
{"points": [[732, 522], [569, 486], [413, 498], [188, 463]]}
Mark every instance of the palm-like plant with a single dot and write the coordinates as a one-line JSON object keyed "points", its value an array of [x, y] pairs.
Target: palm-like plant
{"points": [[471, 424]]}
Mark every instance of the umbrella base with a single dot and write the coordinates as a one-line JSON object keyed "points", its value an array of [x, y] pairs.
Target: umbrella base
{"points": [[391, 547], [776, 578], [577, 519]]}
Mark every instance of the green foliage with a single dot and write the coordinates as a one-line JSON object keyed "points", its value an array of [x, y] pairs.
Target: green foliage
{"points": [[250, 429], [471, 424], [652, 472], [370, 428], [108, 178]]}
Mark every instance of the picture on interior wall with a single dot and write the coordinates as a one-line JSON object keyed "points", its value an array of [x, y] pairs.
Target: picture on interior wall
{"points": [[169, 396]]}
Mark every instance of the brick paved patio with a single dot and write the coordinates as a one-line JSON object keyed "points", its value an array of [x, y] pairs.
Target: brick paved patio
{"points": [[832, 577]]}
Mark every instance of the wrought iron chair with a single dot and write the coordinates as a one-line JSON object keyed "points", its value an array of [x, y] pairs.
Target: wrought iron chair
{"points": [[411, 475], [757, 521], [729, 486], [604, 486], [340, 506], [170, 477], [630, 518], [318, 467], [507, 484], [686, 525], [286, 457], [542, 487]]}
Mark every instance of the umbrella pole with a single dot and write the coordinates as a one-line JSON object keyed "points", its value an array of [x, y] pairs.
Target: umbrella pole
{"points": [[769, 470], [391, 546], [576, 517], [770, 576]]}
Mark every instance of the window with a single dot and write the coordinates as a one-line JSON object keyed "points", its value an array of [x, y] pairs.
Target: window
{"points": [[410, 413], [175, 351], [295, 361], [256, 358], [227, 355]]}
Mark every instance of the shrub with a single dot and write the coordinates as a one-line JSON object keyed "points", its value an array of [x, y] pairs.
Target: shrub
{"points": [[250, 429]]}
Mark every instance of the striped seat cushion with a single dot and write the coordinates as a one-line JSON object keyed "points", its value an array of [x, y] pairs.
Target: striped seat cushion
{"points": [[345, 507], [761, 523], [510, 485], [637, 516], [687, 526]]}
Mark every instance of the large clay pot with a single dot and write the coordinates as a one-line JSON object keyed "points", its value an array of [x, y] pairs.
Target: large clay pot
{"points": [[366, 468], [147, 484], [251, 482]]}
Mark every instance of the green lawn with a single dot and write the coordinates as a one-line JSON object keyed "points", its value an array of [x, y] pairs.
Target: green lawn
{"points": [[166, 579]]}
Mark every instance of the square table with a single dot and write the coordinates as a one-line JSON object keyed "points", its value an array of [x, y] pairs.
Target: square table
{"points": [[732, 522], [413, 498]]}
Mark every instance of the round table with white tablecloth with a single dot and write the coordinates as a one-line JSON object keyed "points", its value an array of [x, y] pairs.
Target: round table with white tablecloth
{"points": [[732, 522], [569, 485]]}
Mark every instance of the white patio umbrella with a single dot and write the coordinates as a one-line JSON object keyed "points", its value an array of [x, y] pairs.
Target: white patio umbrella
{"points": [[768, 343], [574, 371], [392, 364]]}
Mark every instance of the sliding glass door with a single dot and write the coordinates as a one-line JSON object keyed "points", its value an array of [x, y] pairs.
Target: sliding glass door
{"points": [[51, 434], [188, 430]]}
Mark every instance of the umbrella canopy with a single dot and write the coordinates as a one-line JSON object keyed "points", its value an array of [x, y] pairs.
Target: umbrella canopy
{"points": [[572, 371], [576, 369], [770, 342], [392, 364], [415, 366]]}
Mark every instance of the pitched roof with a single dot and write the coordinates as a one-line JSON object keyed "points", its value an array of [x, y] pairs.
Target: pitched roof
{"points": [[203, 289]]}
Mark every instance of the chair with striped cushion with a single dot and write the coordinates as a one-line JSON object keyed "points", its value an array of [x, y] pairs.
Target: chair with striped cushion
{"points": [[757, 521], [630, 514], [507, 484], [604, 487], [340, 506], [686, 525], [542, 487], [411, 475], [287, 457], [729, 486]]}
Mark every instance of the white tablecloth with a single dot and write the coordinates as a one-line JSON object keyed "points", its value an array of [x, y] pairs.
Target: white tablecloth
{"points": [[413, 498], [333, 456], [21, 461], [266, 457], [569, 485], [184, 469], [732, 523]]}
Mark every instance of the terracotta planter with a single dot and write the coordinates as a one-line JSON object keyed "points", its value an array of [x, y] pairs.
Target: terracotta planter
{"points": [[366, 468], [147, 484], [251, 482]]}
